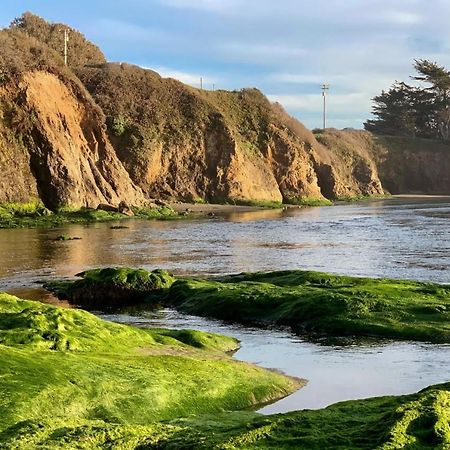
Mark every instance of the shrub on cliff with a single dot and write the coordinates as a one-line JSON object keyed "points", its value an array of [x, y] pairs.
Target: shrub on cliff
{"points": [[81, 52]]}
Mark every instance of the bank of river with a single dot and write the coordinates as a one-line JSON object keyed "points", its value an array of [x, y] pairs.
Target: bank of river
{"points": [[396, 238]]}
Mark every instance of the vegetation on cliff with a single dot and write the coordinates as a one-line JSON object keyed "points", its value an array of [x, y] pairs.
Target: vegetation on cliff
{"points": [[68, 366], [81, 51]]}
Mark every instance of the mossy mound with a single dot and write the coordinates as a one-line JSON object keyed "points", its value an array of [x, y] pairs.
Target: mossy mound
{"points": [[34, 325], [419, 421], [62, 366], [113, 287], [314, 302], [310, 302]]}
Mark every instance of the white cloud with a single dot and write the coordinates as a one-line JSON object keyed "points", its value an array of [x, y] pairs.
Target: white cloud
{"points": [[121, 31], [193, 79], [402, 17], [260, 52], [337, 103]]}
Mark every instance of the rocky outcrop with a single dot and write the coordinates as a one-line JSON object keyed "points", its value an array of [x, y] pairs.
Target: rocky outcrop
{"points": [[68, 158], [347, 167], [404, 165], [185, 143]]}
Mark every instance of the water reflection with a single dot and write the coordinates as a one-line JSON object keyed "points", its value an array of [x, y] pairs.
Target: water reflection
{"points": [[401, 238]]}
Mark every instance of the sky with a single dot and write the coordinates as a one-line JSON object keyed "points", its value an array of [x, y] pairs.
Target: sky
{"points": [[285, 48]]}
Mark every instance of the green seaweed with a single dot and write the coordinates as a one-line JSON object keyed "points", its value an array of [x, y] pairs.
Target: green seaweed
{"points": [[310, 302], [34, 214], [419, 421], [66, 365], [113, 287], [321, 303]]}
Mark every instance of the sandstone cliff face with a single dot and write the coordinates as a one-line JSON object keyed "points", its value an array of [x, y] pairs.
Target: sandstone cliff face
{"points": [[184, 143], [348, 168], [68, 158], [53, 142], [404, 165]]}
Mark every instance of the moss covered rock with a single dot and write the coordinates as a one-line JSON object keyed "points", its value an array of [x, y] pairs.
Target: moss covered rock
{"points": [[115, 287], [321, 303], [66, 367]]}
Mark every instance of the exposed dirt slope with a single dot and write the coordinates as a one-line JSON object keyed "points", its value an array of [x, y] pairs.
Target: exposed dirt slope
{"points": [[52, 135]]}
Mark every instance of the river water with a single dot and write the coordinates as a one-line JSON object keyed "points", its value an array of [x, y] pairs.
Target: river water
{"points": [[397, 238]]}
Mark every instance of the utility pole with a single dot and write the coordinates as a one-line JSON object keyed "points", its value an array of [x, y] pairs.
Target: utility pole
{"points": [[325, 88], [214, 87], [201, 83], [66, 40]]}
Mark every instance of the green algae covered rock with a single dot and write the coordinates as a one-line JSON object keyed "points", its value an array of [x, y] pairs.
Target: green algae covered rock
{"points": [[64, 368], [322, 304], [113, 287]]}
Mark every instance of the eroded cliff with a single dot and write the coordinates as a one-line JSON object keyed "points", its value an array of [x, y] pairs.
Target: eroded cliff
{"points": [[404, 165], [53, 136], [101, 133], [180, 142]]}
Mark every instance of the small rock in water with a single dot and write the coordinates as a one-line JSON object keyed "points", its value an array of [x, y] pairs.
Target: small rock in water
{"points": [[118, 227], [64, 237]]}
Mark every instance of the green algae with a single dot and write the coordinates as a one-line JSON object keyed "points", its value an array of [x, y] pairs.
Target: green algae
{"points": [[326, 304], [312, 303], [418, 421], [113, 287], [62, 365], [71, 380], [34, 214]]}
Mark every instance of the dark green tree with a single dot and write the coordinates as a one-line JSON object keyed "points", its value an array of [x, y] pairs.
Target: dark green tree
{"points": [[438, 79], [393, 111], [415, 110]]}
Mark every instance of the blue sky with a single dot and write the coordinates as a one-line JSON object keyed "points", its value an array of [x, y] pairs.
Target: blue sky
{"points": [[285, 48]]}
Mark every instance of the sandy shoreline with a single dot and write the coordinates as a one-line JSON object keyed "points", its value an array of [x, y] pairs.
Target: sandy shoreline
{"points": [[215, 208], [218, 208]]}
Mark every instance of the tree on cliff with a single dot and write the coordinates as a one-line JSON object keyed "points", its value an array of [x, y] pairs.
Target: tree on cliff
{"points": [[439, 80], [393, 111], [415, 111]]}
